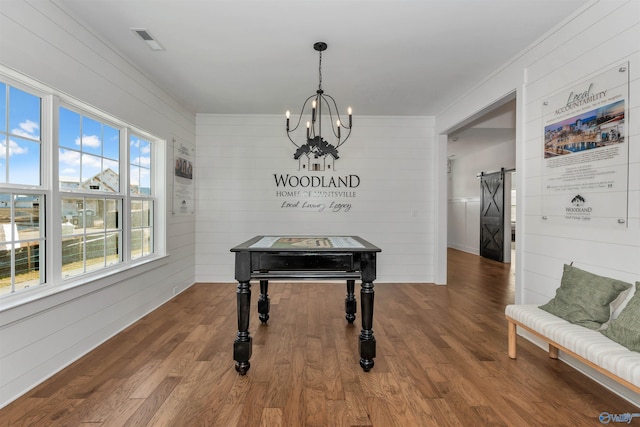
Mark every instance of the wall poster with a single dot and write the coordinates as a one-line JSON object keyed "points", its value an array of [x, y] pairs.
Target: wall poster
{"points": [[183, 192], [586, 152]]}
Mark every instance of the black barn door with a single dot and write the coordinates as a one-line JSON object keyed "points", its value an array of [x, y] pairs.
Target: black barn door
{"points": [[492, 216]]}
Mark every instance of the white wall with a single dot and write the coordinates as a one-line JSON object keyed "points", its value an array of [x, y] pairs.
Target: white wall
{"points": [[39, 338], [464, 191], [393, 208], [595, 38]]}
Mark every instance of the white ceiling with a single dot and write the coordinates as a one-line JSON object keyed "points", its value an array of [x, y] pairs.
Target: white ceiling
{"points": [[385, 57]]}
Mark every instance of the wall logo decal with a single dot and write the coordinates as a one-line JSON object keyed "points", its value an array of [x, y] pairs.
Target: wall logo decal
{"points": [[316, 155], [316, 188]]}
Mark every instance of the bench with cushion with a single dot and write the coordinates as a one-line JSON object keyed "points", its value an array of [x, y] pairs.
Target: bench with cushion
{"points": [[592, 318]]}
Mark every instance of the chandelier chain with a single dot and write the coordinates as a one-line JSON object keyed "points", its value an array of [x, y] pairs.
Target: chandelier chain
{"points": [[320, 72]]}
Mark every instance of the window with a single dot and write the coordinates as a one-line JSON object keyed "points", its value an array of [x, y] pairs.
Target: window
{"points": [[99, 199], [21, 230], [88, 163]]}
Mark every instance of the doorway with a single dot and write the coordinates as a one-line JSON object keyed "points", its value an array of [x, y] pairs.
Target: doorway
{"points": [[484, 143]]}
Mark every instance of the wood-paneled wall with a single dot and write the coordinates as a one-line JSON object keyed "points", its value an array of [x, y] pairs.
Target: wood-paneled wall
{"points": [[41, 40], [393, 205]]}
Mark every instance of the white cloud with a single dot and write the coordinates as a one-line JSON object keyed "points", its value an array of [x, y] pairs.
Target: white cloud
{"points": [[92, 141], [27, 129], [69, 157], [14, 148], [142, 161], [91, 161]]}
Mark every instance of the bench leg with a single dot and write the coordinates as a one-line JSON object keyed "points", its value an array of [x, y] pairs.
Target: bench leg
{"points": [[553, 351], [512, 337]]}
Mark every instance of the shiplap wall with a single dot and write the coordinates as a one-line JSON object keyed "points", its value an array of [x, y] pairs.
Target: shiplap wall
{"points": [[594, 39], [37, 339], [393, 208]]}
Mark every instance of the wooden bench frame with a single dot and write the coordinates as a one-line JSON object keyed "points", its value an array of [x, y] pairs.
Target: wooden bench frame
{"points": [[555, 348]]}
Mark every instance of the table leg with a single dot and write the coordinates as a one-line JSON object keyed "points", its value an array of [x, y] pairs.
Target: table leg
{"points": [[367, 340], [243, 343], [350, 301], [264, 301]]}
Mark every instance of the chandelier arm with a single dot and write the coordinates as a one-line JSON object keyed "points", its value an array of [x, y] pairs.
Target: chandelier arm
{"points": [[335, 104], [304, 104]]}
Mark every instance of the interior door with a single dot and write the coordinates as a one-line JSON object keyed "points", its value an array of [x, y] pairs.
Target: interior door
{"points": [[492, 216]]}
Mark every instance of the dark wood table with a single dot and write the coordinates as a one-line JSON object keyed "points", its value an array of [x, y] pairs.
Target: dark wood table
{"points": [[267, 258]]}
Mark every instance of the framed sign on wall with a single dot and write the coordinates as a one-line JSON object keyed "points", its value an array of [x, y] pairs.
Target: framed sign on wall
{"points": [[585, 160], [183, 178]]}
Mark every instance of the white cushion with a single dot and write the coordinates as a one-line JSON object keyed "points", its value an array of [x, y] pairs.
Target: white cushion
{"points": [[590, 344]]}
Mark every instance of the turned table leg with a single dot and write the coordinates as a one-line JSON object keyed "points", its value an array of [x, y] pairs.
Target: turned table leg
{"points": [[264, 301], [350, 301], [367, 344], [243, 343]]}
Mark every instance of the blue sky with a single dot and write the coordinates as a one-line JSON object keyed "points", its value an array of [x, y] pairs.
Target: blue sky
{"points": [[23, 125], [86, 146]]}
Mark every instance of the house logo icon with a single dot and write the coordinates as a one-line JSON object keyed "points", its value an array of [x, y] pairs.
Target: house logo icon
{"points": [[578, 201], [316, 155]]}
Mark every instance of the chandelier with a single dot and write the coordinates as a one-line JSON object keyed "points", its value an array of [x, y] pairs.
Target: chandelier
{"points": [[320, 104]]}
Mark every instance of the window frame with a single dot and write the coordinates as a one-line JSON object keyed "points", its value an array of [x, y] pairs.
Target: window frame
{"points": [[49, 188]]}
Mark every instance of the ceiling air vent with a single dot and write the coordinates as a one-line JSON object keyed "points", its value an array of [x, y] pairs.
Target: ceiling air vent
{"points": [[148, 38]]}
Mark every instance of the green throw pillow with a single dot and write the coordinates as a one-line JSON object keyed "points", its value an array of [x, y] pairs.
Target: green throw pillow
{"points": [[583, 298], [625, 329]]}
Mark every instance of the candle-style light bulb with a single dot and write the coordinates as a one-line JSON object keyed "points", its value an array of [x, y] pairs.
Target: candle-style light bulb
{"points": [[338, 125], [308, 129], [287, 114], [349, 112], [313, 111]]}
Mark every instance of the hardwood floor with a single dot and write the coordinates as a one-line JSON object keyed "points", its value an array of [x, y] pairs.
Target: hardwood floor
{"points": [[441, 361]]}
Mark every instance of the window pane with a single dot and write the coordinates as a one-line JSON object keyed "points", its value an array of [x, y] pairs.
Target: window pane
{"points": [[95, 249], [69, 168], [28, 268], [72, 256], [134, 179], [146, 213], [134, 150], [145, 181], [144, 159], [109, 179], [72, 215], [91, 167], [24, 162], [69, 129], [24, 114], [136, 243], [27, 213], [112, 215], [91, 136], [111, 139], [113, 248]]}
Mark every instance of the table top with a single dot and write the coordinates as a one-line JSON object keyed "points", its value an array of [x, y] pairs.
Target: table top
{"points": [[306, 244]]}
